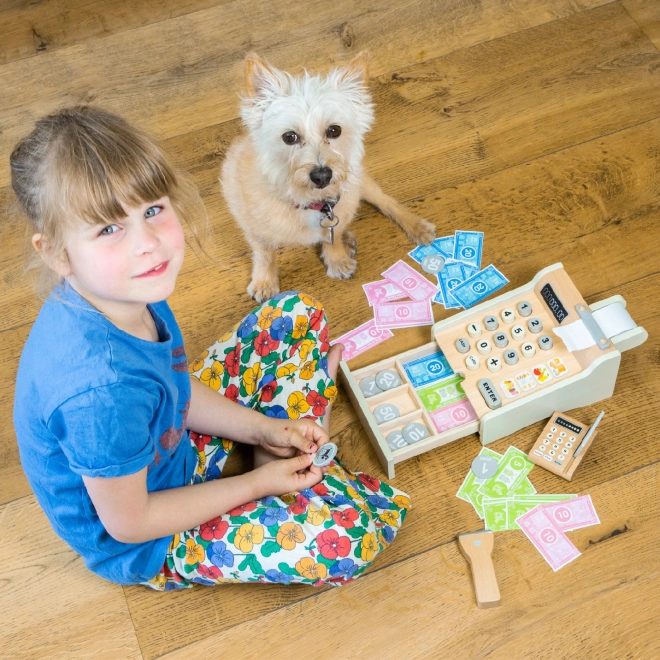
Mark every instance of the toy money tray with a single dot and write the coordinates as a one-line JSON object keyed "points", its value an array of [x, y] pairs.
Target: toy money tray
{"points": [[590, 372]]}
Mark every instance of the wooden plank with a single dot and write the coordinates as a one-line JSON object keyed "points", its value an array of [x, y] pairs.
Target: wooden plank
{"points": [[591, 204], [429, 600], [188, 76], [646, 13], [30, 29], [51, 605], [417, 149]]}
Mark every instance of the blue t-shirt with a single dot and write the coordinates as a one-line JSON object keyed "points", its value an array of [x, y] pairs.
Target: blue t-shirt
{"points": [[96, 401]]}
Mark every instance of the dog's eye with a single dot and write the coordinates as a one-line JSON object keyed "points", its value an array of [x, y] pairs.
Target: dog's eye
{"points": [[290, 137], [333, 131]]}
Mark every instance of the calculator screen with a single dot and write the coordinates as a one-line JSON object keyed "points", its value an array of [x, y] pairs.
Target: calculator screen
{"points": [[554, 304], [560, 421]]}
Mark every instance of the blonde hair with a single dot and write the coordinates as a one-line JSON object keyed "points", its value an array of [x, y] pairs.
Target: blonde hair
{"points": [[81, 164]]}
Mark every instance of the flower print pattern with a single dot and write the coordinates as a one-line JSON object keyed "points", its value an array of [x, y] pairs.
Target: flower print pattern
{"points": [[247, 535], [289, 534], [268, 315], [275, 361], [211, 376], [297, 405]]}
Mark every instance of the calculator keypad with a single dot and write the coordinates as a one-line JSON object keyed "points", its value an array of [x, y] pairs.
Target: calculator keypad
{"points": [[503, 340]]}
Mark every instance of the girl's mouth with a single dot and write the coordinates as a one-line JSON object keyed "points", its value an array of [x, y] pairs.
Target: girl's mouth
{"points": [[156, 270]]}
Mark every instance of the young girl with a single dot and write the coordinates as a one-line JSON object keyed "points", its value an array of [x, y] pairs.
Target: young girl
{"points": [[105, 401]]}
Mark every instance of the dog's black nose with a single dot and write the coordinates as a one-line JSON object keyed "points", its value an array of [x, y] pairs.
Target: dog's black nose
{"points": [[321, 176]]}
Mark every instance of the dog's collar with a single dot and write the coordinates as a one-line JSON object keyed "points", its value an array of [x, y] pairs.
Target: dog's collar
{"points": [[322, 205]]}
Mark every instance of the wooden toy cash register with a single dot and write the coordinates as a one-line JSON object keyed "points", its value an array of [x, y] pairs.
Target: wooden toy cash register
{"points": [[495, 368]]}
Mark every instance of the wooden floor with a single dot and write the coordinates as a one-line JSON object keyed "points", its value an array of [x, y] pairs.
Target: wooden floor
{"points": [[535, 121]]}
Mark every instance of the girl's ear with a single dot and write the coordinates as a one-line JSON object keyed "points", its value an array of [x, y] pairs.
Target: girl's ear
{"points": [[262, 79], [58, 263]]}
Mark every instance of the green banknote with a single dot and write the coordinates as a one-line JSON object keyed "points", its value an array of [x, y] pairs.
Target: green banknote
{"points": [[442, 393], [500, 514], [512, 470]]}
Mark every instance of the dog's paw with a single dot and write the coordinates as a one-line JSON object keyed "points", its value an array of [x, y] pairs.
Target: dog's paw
{"points": [[350, 243], [421, 232], [342, 268], [263, 290]]}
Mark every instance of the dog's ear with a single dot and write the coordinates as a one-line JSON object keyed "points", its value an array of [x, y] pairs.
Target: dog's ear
{"points": [[357, 70], [260, 76]]}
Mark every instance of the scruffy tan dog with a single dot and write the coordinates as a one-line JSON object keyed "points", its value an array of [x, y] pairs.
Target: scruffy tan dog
{"points": [[299, 168]]}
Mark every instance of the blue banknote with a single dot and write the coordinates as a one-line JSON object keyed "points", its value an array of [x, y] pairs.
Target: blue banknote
{"points": [[445, 245], [468, 271], [422, 251], [478, 287], [468, 247], [428, 369], [438, 297], [449, 277]]}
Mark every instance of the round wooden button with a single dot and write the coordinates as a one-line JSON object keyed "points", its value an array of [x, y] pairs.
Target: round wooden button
{"points": [[472, 362], [387, 379], [508, 315], [501, 340], [395, 440], [474, 330], [491, 323], [414, 432], [433, 264], [494, 364], [484, 347], [325, 454], [386, 412], [369, 387], [462, 345], [535, 325], [528, 349]]}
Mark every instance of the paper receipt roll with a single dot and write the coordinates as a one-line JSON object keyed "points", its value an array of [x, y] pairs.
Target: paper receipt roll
{"points": [[613, 320]]}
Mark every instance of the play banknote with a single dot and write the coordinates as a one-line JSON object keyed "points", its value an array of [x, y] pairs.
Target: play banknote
{"points": [[428, 369], [405, 314], [382, 291], [555, 547], [361, 339], [477, 287], [409, 280], [468, 246]]}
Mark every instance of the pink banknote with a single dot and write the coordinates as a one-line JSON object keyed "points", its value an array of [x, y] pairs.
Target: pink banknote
{"points": [[455, 415], [556, 548], [403, 314], [382, 291], [409, 280], [573, 514], [361, 339]]}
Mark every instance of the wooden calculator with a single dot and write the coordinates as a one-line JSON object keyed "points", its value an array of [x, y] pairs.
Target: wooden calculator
{"points": [[563, 444], [513, 370]]}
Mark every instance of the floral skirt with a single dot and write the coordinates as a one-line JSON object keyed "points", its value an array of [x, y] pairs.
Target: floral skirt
{"points": [[275, 361]]}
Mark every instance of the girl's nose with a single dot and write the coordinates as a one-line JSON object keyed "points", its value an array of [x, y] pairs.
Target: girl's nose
{"points": [[147, 239]]}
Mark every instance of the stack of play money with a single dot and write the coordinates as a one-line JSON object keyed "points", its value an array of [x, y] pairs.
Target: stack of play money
{"points": [[505, 492], [456, 261]]}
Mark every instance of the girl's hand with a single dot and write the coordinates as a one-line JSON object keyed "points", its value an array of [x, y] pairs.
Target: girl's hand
{"points": [[288, 437], [287, 475]]}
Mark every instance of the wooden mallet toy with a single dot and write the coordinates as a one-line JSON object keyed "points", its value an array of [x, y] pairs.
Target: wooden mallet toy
{"points": [[477, 548]]}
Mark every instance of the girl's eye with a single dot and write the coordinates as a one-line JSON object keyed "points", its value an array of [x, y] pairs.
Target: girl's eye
{"points": [[110, 229], [333, 131], [290, 137], [152, 211]]}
